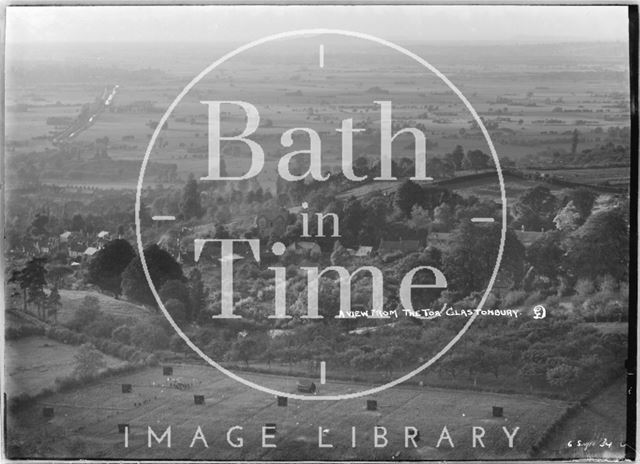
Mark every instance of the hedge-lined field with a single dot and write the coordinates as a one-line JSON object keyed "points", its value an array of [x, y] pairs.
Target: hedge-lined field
{"points": [[85, 422], [72, 299], [34, 363]]}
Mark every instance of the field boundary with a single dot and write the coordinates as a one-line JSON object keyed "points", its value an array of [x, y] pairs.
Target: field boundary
{"points": [[569, 412]]}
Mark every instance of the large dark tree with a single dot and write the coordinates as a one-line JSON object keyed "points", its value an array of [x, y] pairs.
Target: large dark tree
{"points": [[53, 304], [545, 254], [601, 246], [107, 266], [583, 199], [456, 157], [77, 223], [409, 194], [176, 290], [191, 207], [161, 266], [477, 160], [535, 209], [197, 293], [469, 263], [39, 225], [32, 280], [352, 221]]}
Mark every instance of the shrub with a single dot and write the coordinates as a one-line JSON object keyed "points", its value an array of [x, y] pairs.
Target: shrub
{"points": [[553, 301], [152, 360], [88, 312], [390, 257], [176, 308], [535, 298], [148, 336], [14, 333], [102, 327], [137, 356], [88, 362], [178, 345], [514, 298], [125, 352], [584, 287], [122, 334]]}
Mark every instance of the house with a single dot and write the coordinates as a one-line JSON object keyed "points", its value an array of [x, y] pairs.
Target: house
{"points": [[302, 247], [90, 251], [103, 235], [64, 237], [527, 237], [272, 222], [404, 246], [74, 253], [363, 252]]}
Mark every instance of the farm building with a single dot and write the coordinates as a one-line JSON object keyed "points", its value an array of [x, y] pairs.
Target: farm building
{"points": [[64, 237], [272, 222], [363, 252], [90, 251], [527, 237]]}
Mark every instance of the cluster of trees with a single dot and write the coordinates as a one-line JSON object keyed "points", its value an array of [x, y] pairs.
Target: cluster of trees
{"points": [[148, 334], [35, 221], [117, 269], [557, 353], [32, 281]]}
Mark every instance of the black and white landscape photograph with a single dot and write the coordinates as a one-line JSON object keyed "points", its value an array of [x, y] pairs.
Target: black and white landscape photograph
{"points": [[320, 233]]}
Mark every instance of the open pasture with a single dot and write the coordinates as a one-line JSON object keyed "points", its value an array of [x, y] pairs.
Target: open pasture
{"points": [[596, 431], [33, 364], [155, 403], [72, 299]]}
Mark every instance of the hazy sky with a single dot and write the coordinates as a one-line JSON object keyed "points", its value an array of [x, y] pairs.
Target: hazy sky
{"points": [[244, 23]]}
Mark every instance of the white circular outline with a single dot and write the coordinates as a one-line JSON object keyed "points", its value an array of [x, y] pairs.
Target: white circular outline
{"points": [[290, 34]]}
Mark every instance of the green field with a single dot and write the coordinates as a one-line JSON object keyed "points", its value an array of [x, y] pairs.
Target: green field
{"points": [[600, 422], [71, 300], [89, 416], [33, 363]]}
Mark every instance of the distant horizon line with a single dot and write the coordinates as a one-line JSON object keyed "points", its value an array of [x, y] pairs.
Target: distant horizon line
{"points": [[511, 41]]}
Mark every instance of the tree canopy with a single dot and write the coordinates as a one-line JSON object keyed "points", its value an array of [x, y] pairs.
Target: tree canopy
{"points": [[161, 266], [108, 264]]}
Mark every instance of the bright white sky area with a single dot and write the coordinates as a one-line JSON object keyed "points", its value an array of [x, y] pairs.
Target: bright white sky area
{"points": [[244, 23]]}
